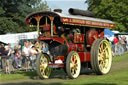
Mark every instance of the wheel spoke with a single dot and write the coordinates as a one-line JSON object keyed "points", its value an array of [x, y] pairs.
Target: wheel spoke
{"points": [[47, 71], [101, 46], [101, 66], [71, 65], [100, 58]]}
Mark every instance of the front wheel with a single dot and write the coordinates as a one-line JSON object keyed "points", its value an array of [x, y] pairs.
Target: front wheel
{"points": [[42, 68], [73, 65]]}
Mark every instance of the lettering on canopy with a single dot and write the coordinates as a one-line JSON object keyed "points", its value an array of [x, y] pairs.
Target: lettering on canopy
{"points": [[86, 22]]}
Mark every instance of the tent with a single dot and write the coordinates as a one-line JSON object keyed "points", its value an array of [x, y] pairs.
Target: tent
{"points": [[122, 33], [109, 34], [15, 38]]}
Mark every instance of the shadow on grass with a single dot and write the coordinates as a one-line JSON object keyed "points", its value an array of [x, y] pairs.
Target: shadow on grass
{"points": [[101, 84], [60, 74], [40, 83], [32, 83], [30, 74]]}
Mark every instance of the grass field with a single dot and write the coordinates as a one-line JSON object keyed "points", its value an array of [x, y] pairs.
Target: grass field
{"points": [[120, 58], [118, 77]]}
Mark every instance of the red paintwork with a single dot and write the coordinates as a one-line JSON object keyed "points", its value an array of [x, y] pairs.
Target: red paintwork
{"points": [[101, 35], [59, 65], [54, 38], [80, 47], [86, 22], [85, 56], [88, 56], [60, 57], [71, 47], [92, 35], [46, 27], [78, 38], [82, 56], [75, 47]]}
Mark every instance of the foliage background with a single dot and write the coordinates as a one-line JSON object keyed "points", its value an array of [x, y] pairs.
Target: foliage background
{"points": [[13, 13], [115, 10]]}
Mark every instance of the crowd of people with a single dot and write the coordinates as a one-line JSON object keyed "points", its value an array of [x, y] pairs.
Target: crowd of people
{"points": [[21, 57], [24, 56], [119, 45]]}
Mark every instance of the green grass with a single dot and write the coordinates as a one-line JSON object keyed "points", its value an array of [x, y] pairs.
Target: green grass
{"points": [[17, 76], [120, 58], [115, 78]]}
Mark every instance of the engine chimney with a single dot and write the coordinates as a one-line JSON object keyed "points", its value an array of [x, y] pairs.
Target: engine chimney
{"points": [[58, 10], [81, 12]]}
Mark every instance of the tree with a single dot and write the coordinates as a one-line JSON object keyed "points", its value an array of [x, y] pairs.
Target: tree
{"points": [[115, 10], [42, 7], [13, 13]]}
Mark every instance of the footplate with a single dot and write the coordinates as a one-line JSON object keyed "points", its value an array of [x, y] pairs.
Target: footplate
{"points": [[56, 65]]}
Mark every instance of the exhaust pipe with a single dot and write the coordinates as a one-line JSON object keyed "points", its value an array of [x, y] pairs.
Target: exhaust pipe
{"points": [[81, 12]]}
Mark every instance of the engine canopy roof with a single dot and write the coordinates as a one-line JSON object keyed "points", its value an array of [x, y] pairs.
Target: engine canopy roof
{"points": [[73, 19]]}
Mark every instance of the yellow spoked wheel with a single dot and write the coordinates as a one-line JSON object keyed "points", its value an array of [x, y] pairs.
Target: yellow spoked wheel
{"points": [[42, 66], [101, 56], [73, 65]]}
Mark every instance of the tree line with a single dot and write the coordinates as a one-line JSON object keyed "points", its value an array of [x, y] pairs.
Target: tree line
{"points": [[115, 10], [13, 13]]}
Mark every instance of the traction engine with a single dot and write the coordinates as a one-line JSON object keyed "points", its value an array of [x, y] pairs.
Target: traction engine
{"points": [[75, 41]]}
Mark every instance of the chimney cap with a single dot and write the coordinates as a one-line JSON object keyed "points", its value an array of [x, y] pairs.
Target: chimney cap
{"points": [[58, 10]]}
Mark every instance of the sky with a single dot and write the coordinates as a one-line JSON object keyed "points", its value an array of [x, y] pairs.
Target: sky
{"points": [[66, 4]]}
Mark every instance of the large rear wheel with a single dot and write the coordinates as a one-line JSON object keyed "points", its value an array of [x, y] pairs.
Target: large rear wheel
{"points": [[42, 66], [73, 65], [101, 56]]}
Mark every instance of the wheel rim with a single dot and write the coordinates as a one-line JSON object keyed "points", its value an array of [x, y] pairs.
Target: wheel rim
{"points": [[44, 69], [104, 57], [75, 65]]}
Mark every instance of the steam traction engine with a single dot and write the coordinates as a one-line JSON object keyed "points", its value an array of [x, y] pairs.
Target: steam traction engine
{"points": [[75, 39]]}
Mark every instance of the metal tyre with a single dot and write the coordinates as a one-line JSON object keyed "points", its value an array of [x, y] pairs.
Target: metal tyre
{"points": [[101, 56], [73, 65], [42, 68]]}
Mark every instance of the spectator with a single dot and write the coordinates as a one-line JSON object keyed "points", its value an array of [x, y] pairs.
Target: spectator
{"points": [[120, 47], [124, 43], [26, 55], [0, 57], [15, 49], [46, 50], [30, 44], [33, 54], [38, 46], [19, 46], [22, 53], [12, 59], [116, 44], [18, 58], [127, 44], [8, 55], [2, 60]]}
